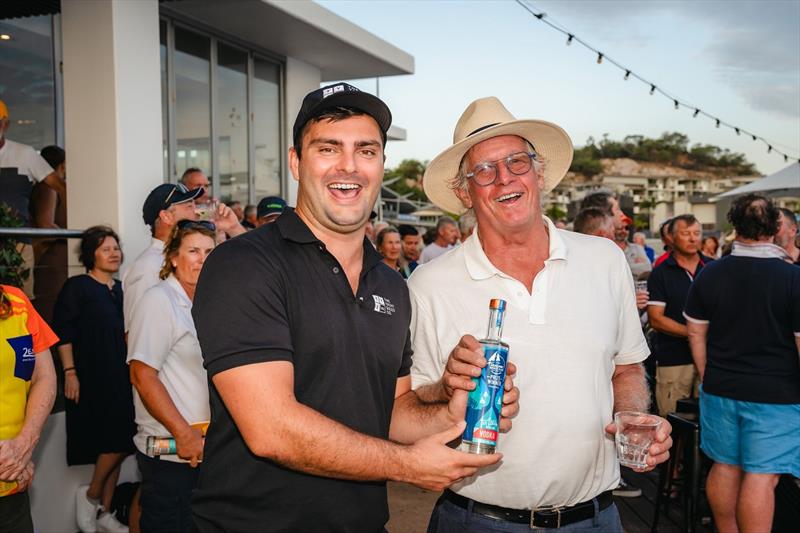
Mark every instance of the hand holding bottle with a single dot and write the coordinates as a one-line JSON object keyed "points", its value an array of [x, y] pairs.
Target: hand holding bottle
{"points": [[464, 363]]}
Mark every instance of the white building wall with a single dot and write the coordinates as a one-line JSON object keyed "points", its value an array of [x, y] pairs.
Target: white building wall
{"points": [[705, 213], [112, 114], [301, 79]]}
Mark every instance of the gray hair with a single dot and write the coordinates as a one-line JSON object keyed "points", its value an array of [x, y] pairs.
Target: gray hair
{"points": [[467, 222], [444, 221]]}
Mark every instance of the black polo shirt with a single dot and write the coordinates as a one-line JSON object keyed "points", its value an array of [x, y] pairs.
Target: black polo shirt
{"points": [[752, 305], [668, 286], [277, 294]]}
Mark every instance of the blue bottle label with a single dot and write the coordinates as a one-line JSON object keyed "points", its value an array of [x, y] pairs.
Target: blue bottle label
{"points": [[486, 400]]}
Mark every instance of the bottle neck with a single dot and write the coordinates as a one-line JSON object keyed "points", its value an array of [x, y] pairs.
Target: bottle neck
{"points": [[495, 330]]}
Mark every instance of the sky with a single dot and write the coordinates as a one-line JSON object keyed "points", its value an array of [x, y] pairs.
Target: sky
{"points": [[736, 60]]}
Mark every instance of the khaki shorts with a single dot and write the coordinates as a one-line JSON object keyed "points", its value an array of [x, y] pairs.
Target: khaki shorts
{"points": [[674, 383]]}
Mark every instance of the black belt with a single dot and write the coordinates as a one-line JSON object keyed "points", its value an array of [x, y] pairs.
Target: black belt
{"points": [[543, 517]]}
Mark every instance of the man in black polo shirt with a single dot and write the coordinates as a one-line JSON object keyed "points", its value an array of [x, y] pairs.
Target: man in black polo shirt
{"points": [[304, 332], [668, 285], [744, 331]]}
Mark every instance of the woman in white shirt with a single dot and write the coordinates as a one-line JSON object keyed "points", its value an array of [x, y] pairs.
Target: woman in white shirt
{"points": [[170, 383]]}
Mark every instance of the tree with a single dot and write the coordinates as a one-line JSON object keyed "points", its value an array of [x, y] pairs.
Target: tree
{"points": [[555, 213], [406, 178], [12, 271], [670, 147]]}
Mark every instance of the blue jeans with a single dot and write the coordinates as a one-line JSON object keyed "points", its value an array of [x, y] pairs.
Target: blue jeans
{"points": [[450, 518]]}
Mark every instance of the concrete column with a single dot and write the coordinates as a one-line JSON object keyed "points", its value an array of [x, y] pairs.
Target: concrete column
{"points": [[112, 114], [301, 79]]}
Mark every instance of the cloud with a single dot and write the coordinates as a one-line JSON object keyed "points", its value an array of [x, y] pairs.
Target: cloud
{"points": [[753, 45], [781, 100]]}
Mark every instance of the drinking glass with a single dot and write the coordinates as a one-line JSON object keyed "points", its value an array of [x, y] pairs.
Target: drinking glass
{"points": [[635, 433]]}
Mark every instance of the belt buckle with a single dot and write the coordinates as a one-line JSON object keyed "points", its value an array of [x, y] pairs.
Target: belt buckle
{"points": [[546, 508]]}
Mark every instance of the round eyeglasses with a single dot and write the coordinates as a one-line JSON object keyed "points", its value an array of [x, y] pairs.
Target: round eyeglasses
{"points": [[517, 163]]}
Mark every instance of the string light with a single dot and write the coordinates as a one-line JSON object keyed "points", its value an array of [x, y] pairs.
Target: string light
{"points": [[600, 56]]}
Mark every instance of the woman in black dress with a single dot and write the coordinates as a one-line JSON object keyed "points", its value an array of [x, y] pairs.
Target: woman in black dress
{"points": [[100, 427]]}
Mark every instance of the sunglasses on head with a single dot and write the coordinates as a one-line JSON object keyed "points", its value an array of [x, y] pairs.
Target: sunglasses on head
{"points": [[186, 223]]}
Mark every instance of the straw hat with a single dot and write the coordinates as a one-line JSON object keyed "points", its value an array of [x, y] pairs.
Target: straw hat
{"points": [[486, 118]]}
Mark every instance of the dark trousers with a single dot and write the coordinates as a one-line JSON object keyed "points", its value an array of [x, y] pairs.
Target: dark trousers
{"points": [[166, 495], [15, 513]]}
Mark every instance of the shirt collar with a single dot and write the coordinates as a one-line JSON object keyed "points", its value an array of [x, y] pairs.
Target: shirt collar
{"points": [[704, 260], [761, 250], [182, 298], [480, 267], [292, 228]]}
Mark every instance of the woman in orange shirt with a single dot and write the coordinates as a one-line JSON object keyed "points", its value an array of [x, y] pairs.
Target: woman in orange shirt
{"points": [[27, 391]]}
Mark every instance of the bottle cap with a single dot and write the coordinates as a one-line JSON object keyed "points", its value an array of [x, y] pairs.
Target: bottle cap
{"points": [[497, 303]]}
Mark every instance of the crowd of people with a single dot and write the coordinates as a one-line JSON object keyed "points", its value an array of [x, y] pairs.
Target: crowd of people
{"points": [[296, 358]]}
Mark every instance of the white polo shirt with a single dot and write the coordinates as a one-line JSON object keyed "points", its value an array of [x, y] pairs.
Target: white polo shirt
{"points": [[140, 276], [162, 335], [565, 339]]}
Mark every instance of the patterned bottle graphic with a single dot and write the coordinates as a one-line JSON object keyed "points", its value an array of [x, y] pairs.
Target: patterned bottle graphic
{"points": [[486, 400]]}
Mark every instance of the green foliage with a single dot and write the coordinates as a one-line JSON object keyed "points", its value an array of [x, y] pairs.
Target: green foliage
{"points": [[409, 172], [11, 263], [671, 148], [555, 213], [585, 163]]}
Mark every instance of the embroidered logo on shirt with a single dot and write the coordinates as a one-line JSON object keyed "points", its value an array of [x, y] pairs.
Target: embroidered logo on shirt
{"points": [[383, 305]]}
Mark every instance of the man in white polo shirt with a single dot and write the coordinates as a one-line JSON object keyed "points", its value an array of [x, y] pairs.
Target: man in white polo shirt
{"points": [[571, 324]]}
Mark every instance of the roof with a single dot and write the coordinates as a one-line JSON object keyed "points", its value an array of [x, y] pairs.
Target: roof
{"points": [[786, 180], [303, 30]]}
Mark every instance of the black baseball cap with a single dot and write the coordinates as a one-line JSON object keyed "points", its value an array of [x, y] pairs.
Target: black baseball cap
{"points": [[341, 95], [270, 205], [164, 196]]}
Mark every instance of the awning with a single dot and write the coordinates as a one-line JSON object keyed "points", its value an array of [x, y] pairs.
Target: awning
{"points": [[784, 182], [302, 30]]}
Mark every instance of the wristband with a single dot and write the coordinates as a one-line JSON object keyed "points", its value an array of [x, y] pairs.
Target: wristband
{"points": [[68, 369]]}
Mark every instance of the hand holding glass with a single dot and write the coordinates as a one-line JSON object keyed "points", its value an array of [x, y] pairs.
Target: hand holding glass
{"points": [[635, 433], [208, 210]]}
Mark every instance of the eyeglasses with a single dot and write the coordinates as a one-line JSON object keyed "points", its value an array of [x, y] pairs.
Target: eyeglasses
{"points": [[517, 163], [186, 223]]}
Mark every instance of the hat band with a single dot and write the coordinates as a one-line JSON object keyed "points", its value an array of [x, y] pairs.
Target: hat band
{"points": [[482, 128]]}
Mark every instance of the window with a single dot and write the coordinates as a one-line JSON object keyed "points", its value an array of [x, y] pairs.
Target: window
{"points": [[28, 79], [192, 99], [232, 124], [266, 128], [221, 112], [162, 33]]}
